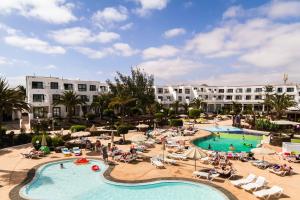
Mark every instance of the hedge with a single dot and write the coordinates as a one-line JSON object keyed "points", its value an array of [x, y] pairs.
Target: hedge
{"points": [[76, 128], [176, 122], [39, 138], [194, 113]]}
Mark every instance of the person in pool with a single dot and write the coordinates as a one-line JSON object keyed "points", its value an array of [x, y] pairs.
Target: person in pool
{"points": [[231, 147], [218, 135], [209, 146], [62, 166]]}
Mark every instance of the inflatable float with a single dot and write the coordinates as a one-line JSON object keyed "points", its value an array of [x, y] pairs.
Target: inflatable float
{"points": [[95, 168], [81, 161]]}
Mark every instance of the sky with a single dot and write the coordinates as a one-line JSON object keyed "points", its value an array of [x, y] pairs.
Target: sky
{"points": [[215, 42]]}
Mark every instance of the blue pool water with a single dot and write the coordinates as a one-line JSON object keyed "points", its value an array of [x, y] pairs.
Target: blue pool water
{"points": [[230, 129], [81, 183]]}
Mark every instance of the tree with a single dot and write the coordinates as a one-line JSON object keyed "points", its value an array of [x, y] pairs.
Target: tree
{"points": [[176, 105], [185, 107], [138, 85], [269, 89], [279, 103], [70, 100], [10, 99], [121, 102], [194, 113], [197, 103], [100, 103]]}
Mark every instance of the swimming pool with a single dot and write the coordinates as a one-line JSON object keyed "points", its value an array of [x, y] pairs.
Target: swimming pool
{"points": [[81, 183], [227, 129], [240, 142]]}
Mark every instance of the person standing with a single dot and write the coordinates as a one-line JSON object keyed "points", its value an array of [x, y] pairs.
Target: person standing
{"points": [[105, 153]]}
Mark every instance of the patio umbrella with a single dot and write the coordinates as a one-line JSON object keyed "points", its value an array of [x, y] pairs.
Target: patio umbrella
{"points": [[195, 153], [93, 128], [44, 141], [262, 151], [142, 126], [80, 134]]}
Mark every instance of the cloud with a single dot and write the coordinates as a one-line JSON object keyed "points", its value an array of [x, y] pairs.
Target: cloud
{"points": [[169, 68], [107, 17], [174, 32], [126, 26], [50, 67], [4, 61], [233, 11], [8, 29], [33, 44], [124, 49], [79, 35], [283, 9], [91, 53], [52, 11], [146, 6], [160, 52]]}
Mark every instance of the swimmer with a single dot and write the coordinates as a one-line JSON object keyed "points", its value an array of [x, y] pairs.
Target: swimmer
{"points": [[62, 166], [209, 146]]}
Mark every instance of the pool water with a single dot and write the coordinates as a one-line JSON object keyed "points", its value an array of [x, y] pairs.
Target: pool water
{"points": [[81, 183], [240, 142]]}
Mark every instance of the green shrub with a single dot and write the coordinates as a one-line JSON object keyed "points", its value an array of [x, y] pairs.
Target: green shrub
{"points": [[90, 116], [123, 129], [176, 122], [159, 115], [76, 128], [194, 113], [266, 125], [39, 138], [22, 138], [57, 141], [108, 112], [136, 111]]}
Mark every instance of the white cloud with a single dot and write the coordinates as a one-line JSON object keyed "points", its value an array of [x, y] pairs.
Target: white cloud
{"points": [[52, 11], [174, 32], [79, 35], [170, 68], [160, 52], [126, 26], [283, 9], [91, 53], [4, 61], [33, 44], [7, 29], [233, 11], [124, 49], [50, 67], [108, 16], [146, 6]]}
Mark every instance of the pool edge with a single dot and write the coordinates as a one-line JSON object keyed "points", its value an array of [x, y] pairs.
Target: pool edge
{"points": [[14, 193]]}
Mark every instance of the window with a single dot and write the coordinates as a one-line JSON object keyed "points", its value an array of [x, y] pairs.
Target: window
{"points": [[289, 89], [228, 97], [160, 90], [38, 112], [82, 87], [258, 97], [169, 98], [54, 85], [221, 90], [55, 97], [187, 97], [230, 90], [68, 86], [38, 97], [187, 91], [160, 98], [238, 97], [258, 89], [239, 90], [220, 97], [94, 97], [103, 88], [248, 97], [37, 85], [93, 88], [248, 90], [202, 90], [279, 90], [269, 88], [180, 91], [84, 98], [175, 90], [195, 88], [180, 98], [166, 91], [56, 111]]}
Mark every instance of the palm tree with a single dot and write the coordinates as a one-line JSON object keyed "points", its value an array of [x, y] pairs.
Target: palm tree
{"points": [[100, 103], [121, 102], [22, 90], [176, 105], [279, 103], [69, 99], [196, 103], [185, 107], [10, 99]]}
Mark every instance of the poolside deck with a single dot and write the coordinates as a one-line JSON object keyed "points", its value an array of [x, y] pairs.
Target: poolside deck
{"points": [[14, 168]]}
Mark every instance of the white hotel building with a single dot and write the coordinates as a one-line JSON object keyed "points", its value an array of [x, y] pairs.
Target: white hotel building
{"points": [[41, 91]]}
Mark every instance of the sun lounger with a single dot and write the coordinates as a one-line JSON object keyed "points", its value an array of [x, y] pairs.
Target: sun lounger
{"points": [[206, 175], [66, 152], [280, 172], [167, 160], [249, 179], [177, 156], [77, 151], [157, 163], [261, 164], [267, 193], [259, 183]]}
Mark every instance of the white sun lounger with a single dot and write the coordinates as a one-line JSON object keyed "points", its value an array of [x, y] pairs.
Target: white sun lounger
{"points": [[250, 178], [177, 156], [206, 175], [158, 164], [260, 182], [267, 193]]}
